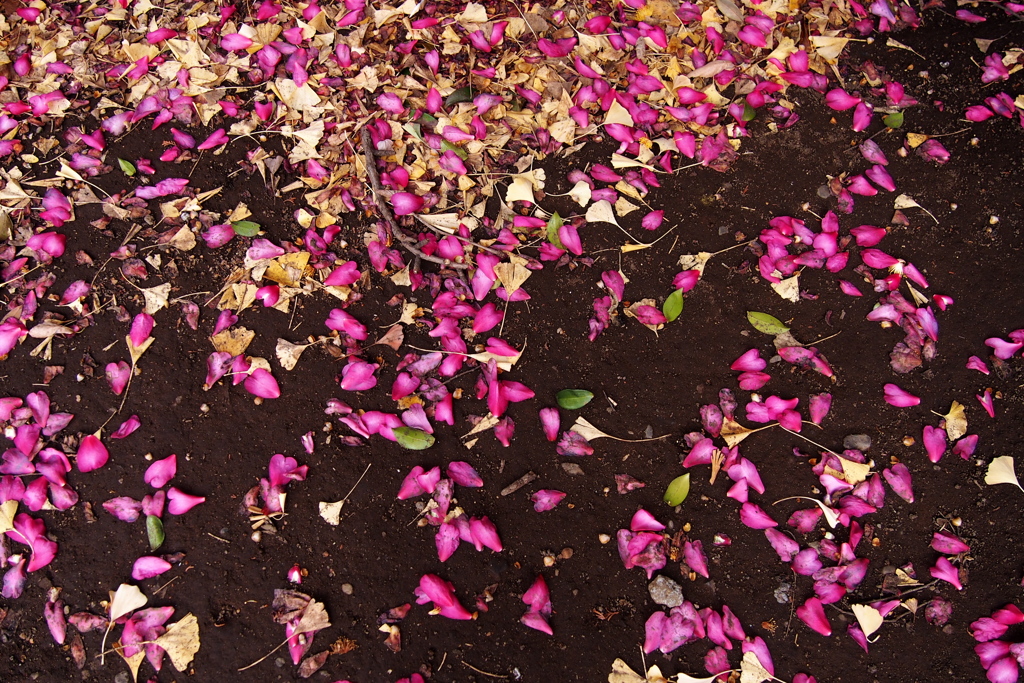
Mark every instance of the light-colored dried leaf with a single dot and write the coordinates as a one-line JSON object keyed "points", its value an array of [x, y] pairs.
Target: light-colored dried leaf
{"points": [[956, 421], [331, 512], [287, 269], [126, 600], [788, 289], [181, 641], [1000, 471], [601, 212], [288, 353], [733, 432], [7, 512], [695, 261], [156, 297], [869, 618], [751, 670], [314, 618], [512, 275], [587, 430]]}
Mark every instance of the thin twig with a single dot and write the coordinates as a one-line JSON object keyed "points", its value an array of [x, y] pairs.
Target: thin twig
{"points": [[385, 212], [481, 671]]}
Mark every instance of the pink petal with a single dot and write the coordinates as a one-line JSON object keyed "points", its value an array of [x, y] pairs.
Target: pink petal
{"points": [[92, 454], [645, 521], [965, 447], [463, 474], [117, 375], [754, 517], [536, 621], [235, 41], [406, 203], [180, 502], [944, 570], [549, 419], [161, 471], [53, 612], [818, 406], [447, 541], [216, 139], [147, 566], [538, 597], [948, 544], [693, 555], [840, 100], [261, 383], [346, 274], [546, 499], [785, 546], [760, 650], [1005, 670], [934, 439], [123, 508], [896, 396], [898, 478], [750, 361], [484, 534], [358, 376], [813, 614]]}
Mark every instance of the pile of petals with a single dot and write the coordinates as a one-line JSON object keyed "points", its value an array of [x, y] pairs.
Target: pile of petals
{"points": [[1001, 659], [452, 524], [281, 472], [641, 545], [30, 424], [302, 617]]}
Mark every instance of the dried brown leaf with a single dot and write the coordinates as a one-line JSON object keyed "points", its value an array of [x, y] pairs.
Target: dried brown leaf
{"points": [[181, 641]]}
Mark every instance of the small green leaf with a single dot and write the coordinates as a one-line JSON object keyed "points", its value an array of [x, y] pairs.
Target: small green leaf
{"points": [[413, 439], [678, 490], [446, 146], [413, 129], [155, 531], [554, 223], [461, 95], [894, 120], [573, 399], [673, 305], [127, 167], [768, 324], [246, 228], [748, 113]]}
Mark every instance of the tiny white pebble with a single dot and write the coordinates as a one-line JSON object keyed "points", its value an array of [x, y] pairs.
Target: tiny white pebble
{"points": [[256, 536], [346, 588], [204, 408], [604, 538], [992, 220]]}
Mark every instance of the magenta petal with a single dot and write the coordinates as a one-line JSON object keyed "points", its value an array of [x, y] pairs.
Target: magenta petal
{"points": [[484, 534], [760, 650], [124, 508], [546, 499], [841, 100], [127, 428], [934, 439], [463, 474], [898, 478], [358, 376], [879, 176], [1009, 615], [785, 546], [654, 629], [806, 562], [965, 446], [948, 544], [180, 502], [693, 554], [447, 541], [538, 597], [537, 621], [818, 406], [945, 570], [549, 420], [750, 361], [1003, 670], [92, 454], [53, 612], [261, 383], [975, 363], [346, 274], [754, 517], [813, 614], [161, 471], [645, 521], [896, 396], [406, 203], [147, 566]]}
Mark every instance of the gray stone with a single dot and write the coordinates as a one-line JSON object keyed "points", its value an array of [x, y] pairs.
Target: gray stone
{"points": [[859, 442], [665, 591]]}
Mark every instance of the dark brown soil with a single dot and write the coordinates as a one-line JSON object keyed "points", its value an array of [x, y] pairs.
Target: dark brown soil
{"points": [[643, 383]]}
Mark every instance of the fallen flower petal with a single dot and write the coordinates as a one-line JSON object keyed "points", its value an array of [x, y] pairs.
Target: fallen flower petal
{"points": [[434, 589], [161, 471], [896, 396], [147, 566], [975, 363], [945, 570], [750, 361], [262, 384], [934, 439], [549, 420], [754, 517], [546, 499], [898, 478], [813, 614], [180, 502], [693, 555], [117, 375], [644, 521], [92, 454], [948, 544], [986, 402], [463, 474]]}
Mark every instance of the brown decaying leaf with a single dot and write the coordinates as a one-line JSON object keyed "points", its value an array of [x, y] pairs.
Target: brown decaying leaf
{"points": [[393, 337], [733, 432], [310, 665], [234, 340]]}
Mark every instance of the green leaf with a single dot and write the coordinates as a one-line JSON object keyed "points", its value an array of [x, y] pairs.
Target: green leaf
{"points": [[446, 146], [894, 120], [748, 113], [127, 167], [554, 223], [673, 305], [413, 439], [460, 95], [573, 399], [678, 490], [246, 228], [155, 531], [768, 324], [413, 129]]}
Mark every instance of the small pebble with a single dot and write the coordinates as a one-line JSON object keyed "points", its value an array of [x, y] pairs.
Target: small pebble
{"points": [[859, 442], [346, 588], [665, 591]]}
